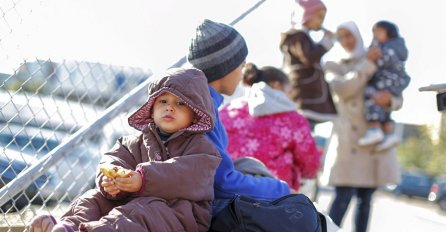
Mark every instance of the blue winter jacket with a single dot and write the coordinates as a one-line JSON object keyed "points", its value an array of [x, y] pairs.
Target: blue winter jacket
{"points": [[228, 181]]}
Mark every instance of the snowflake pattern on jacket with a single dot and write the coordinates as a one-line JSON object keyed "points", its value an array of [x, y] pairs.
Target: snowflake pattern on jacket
{"points": [[283, 141]]}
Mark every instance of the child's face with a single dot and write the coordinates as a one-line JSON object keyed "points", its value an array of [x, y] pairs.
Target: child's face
{"points": [[346, 39], [315, 22], [230, 81], [171, 114], [380, 34]]}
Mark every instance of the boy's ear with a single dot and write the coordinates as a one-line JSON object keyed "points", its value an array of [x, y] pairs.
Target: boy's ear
{"points": [[275, 85]]}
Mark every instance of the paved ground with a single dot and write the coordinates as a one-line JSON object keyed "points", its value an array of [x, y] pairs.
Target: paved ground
{"points": [[390, 213]]}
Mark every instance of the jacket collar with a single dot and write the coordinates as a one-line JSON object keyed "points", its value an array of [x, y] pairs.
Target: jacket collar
{"points": [[217, 97], [264, 100]]}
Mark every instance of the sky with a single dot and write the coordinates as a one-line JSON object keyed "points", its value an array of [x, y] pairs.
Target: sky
{"points": [[155, 34]]}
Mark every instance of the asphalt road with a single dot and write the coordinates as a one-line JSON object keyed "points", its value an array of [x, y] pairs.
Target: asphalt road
{"points": [[391, 213]]}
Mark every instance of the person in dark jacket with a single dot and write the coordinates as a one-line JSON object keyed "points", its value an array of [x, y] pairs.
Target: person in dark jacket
{"points": [[390, 76], [302, 62], [172, 165]]}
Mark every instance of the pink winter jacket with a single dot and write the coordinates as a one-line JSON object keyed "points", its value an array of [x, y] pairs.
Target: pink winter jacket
{"points": [[267, 127]]}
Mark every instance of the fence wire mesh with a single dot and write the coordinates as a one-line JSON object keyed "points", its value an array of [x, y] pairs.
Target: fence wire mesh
{"points": [[42, 104], [58, 115]]}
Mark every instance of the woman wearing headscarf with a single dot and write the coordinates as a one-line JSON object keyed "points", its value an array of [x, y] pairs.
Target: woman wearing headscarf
{"points": [[357, 170]]}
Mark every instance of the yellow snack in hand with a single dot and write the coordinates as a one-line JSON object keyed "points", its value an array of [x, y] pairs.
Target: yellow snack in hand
{"points": [[115, 171]]}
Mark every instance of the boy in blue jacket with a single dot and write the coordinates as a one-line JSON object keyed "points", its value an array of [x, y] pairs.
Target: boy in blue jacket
{"points": [[220, 52]]}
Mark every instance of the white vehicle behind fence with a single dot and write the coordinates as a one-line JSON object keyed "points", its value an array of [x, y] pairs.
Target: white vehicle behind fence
{"points": [[82, 81], [33, 125]]}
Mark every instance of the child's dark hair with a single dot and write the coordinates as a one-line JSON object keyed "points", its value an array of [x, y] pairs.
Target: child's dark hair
{"points": [[390, 28], [267, 74]]}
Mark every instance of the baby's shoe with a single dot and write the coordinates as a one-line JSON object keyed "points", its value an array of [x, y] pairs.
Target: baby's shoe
{"points": [[390, 140], [372, 136], [47, 223], [42, 223]]}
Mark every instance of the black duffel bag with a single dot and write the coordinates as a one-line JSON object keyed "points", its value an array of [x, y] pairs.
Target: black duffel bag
{"points": [[293, 212]]}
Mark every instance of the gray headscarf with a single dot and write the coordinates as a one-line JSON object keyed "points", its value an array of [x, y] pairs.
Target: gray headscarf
{"points": [[359, 49]]}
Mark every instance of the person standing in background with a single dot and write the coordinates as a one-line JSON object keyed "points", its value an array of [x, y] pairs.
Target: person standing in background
{"points": [[302, 62], [265, 125], [357, 170]]}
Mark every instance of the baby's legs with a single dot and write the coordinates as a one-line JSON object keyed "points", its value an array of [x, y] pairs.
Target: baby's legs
{"points": [[88, 207], [375, 124], [380, 125], [374, 116], [91, 206], [387, 127], [140, 214], [390, 138]]}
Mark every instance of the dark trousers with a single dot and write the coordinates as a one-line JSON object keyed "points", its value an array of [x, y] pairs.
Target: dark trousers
{"points": [[342, 200]]}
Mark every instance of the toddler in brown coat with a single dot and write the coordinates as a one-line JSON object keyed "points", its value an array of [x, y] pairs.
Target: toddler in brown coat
{"points": [[171, 165], [302, 62]]}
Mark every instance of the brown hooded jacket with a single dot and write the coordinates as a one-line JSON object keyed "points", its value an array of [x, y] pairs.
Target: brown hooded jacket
{"points": [[177, 175]]}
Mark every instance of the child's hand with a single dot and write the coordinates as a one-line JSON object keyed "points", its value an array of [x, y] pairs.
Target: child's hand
{"points": [[329, 33], [109, 186], [131, 184], [331, 66], [373, 54], [383, 98]]}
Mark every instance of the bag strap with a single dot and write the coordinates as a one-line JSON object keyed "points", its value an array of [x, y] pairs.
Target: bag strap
{"points": [[323, 222]]}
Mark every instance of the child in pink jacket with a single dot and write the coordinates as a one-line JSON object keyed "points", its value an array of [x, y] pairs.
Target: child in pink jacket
{"points": [[265, 125]]}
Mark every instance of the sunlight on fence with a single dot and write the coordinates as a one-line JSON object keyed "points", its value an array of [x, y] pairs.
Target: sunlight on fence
{"points": [[58, 115], [43, 103]]}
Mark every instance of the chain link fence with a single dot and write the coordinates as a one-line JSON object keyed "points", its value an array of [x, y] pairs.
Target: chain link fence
{"points": [[50, 138], [58, 116]]}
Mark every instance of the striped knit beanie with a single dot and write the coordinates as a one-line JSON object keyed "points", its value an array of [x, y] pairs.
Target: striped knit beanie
{"points": [[217, 49]]}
